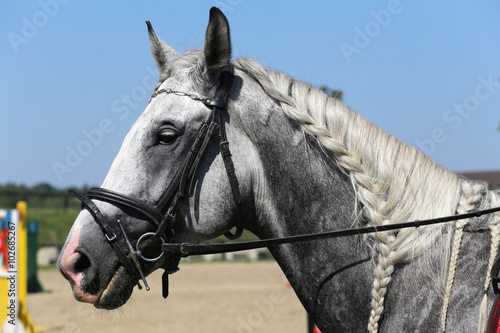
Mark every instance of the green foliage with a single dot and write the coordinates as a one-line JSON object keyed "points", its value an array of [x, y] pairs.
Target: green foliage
{"points": [[53, 208], [55, 223], [41, 195]]}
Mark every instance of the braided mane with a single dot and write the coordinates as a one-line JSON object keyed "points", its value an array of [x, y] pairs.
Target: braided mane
{"points": [[393, 182]]}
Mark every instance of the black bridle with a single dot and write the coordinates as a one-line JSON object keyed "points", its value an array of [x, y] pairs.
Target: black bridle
{"points": [[163, 215]]}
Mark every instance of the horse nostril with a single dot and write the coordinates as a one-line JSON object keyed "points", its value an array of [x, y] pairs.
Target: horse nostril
{"points": [[81, 264], [76, 265]]}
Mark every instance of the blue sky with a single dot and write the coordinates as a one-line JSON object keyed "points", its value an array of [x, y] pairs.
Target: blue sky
{"points": [[74, 76]]}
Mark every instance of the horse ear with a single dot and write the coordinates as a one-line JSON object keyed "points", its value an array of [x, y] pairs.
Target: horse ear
{"points": [[217, 46], [162, 52]]}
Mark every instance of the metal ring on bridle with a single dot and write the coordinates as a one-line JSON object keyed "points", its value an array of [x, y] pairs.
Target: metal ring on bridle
{"points": [[152, 234]]}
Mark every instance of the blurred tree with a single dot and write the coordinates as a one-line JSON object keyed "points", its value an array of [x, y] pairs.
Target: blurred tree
{"points": [[337, 94], [45, 187]]}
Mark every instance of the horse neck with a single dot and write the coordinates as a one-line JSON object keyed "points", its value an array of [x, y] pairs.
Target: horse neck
{"points": [[299, 190]]}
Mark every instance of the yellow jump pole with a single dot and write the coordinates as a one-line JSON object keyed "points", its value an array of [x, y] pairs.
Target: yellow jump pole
{"points": [[4, 283], [10, 274], [22, 266], [14, 285]]}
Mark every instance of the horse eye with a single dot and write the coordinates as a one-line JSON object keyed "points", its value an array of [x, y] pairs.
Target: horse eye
{"points": [[167, 136]]}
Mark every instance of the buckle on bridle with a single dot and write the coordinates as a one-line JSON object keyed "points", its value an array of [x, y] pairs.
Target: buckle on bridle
{"points": [[224, 149], [170, 215], [112, 238]]}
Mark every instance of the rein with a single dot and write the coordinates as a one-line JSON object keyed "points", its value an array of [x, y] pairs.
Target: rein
{"points": [[187, 249]]}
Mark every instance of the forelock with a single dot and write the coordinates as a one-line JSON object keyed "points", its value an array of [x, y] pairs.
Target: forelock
{"points": [[189, 59]]}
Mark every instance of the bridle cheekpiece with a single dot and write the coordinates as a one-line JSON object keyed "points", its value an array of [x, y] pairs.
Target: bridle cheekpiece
{"points": [[163, 214]]}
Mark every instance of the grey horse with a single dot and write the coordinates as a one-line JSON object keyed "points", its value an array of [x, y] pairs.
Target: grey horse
{"points": [[304, 163]]}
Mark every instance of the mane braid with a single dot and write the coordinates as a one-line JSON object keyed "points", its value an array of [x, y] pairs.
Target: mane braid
{"points": [[393, 181]]}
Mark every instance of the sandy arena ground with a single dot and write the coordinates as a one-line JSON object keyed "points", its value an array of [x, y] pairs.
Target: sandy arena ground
{"points": [[204, 297]]}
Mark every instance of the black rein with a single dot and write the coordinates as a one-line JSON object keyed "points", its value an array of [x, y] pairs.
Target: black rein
{"points": [[186, 249]]}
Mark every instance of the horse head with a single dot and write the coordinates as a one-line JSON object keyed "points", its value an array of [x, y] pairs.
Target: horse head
{"points": [[168, 175]]}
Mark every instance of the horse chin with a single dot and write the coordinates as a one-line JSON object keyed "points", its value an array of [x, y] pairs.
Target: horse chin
{"points": [[117, 292]]}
